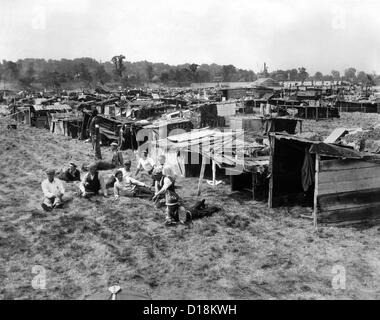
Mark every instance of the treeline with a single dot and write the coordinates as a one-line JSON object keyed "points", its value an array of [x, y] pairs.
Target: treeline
{"points": [[87, 72], [350, 74]]}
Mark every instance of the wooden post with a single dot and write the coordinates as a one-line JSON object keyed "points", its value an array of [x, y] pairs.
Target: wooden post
{"points": [[201, 175], [254, 183], [316, 112], [270, 195], [98, 154], [213, 172], [315, 209]]}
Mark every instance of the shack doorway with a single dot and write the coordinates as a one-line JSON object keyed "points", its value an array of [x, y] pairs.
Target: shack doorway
{"points": [[287, 184]]}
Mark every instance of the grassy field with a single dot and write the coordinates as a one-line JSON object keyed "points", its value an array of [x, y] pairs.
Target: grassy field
{"points": [[246, 251]]}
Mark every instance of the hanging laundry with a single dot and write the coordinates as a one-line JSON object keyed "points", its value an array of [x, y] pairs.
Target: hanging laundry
{"points": [[308, 171]]}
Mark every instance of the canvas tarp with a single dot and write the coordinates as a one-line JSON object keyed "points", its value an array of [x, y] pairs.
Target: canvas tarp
{"points": [[226, 149]]}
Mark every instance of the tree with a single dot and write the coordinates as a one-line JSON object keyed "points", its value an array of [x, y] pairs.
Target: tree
{"points": [[50, 79], [164, 77], [318, 76], [350, 74], [227, 72], [11, 71], [84, 74], [119, 66], [292, 74], [101, 75], [28, 78], [193, 69], [279, 75], [302, 74], [203, 76], [149, 71], [335, 74], [363, 78]]}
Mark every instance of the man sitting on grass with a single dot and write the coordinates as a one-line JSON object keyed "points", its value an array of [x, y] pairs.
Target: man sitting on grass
{"points": [[129, 187], [53, 191], [92, 183], [145, 164], [127, 169], [70, 174]]}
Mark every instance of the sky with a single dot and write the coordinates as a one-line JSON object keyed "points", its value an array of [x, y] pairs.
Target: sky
{"points": [[320, 35]]}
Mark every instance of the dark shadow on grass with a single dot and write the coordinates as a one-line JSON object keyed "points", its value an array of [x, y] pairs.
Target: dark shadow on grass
{"points": [[240, 196]]}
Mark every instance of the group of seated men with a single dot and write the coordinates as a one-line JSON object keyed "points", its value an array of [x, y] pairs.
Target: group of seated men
{"points": [[93, 183]]}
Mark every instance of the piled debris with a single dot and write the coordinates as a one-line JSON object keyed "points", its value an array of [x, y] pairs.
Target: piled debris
{"points": [[364, 140]]}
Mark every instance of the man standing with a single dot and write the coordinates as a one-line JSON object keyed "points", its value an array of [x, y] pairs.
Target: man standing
{"points": [[92, 183], [95, 134], [53, 191], [115, 162], [117, 156]]}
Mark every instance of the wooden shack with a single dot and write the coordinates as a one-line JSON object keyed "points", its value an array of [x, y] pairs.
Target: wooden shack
{"points": [[265, 124], [233, 93], [344, 187]]}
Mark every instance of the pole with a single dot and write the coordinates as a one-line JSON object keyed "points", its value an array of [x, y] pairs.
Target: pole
{"points": [[317, 159], [213, 172], [98, 153], [201, 175]]}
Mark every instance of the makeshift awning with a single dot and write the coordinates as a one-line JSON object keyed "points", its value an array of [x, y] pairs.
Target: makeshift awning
{"points": [[329, 149], [224, 148]]}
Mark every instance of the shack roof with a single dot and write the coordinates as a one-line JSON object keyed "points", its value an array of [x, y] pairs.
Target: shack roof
{"points": [[328, 149], [53, 107], [160, 122], [225, 148]]}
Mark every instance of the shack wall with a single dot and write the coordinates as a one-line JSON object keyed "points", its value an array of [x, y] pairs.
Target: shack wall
{"points": [[348, 191]]}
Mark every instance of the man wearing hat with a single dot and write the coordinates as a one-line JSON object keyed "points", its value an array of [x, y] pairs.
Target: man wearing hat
{"points": [[92, 183], [53, 191], [71, 174]]}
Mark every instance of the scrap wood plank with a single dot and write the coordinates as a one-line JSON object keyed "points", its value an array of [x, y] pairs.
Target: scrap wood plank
{"points": [[346, 206], [345, 164], [351, 175], [367, 212], [335, 135], [346, 186], [360, 197]]}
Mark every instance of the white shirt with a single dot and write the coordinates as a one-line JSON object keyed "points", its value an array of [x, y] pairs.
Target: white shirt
{"points": [[126, 173], [127, 185], [52, 189], [147, 164]]}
